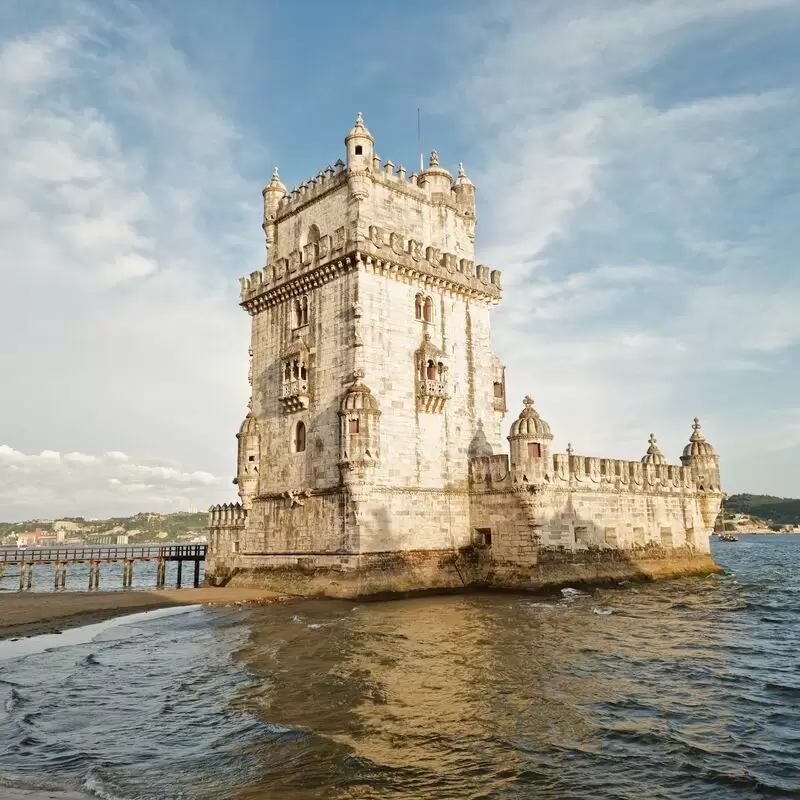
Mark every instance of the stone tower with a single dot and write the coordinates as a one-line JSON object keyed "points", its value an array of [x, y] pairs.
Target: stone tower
{"points": [[372, 374]]}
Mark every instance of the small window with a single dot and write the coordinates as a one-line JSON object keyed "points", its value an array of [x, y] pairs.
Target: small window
{"points": [[587, 467], [499, 391], [427, 310], [354, 425], [431, 371], [300, 438], [359, 149], [236, 547], [251, 458], [534, 450], [483, 537], [418, 307]]}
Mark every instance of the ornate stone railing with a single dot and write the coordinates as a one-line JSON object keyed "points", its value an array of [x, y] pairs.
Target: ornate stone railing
{"points": [[433, 388], [294, 394]]}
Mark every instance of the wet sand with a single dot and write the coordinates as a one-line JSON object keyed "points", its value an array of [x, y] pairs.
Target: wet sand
{"points": [[31, 614]]}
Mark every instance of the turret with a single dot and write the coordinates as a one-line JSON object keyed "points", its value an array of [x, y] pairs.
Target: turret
{"points": [[249, 441], [360, 147], [435, 179], [529, 443], [464, 191], [703, 460], [272, 193], [654, 456]]}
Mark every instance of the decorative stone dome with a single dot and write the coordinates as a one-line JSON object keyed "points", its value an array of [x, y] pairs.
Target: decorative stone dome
{"points": [[359, 398], [529, 424], [698, 446], [359, 131], [249, 426], [462, 179], [434, 168], [275, 184], [654, 455]]}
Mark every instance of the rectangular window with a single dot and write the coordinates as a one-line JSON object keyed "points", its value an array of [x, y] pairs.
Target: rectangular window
{"points": [[236, 547], [354, 426], [586, 466], [534, 450], [499, 391], [581, 534]]}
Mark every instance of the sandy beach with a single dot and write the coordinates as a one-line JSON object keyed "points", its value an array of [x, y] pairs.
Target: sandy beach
{"points": [[30, 614]]}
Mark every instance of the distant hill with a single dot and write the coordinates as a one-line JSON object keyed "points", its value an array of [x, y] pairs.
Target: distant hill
{"points": [[144, 527], [773, 510]]}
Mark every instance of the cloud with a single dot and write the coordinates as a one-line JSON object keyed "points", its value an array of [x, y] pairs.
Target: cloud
{"points": [[643, 224], [123, 233], [49, 484]]}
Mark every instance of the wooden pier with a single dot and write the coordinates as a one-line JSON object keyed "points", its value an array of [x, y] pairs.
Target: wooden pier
{"points": [[62, 557]]}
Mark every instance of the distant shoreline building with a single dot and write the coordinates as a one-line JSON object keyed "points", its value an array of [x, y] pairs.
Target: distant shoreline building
{"points": [[372, 458]]}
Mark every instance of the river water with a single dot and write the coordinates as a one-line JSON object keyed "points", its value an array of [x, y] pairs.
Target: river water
{"points": [[684, 689]]}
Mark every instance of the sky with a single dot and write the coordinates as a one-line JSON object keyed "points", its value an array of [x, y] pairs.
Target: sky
{"points": [[636, 163]]}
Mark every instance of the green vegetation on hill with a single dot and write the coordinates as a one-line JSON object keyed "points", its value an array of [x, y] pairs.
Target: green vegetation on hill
{"points": [[774, 510], [140, 527]]}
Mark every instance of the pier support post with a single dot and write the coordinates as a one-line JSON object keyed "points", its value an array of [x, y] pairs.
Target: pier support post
{"points": [[30, 576], [180, 573], [196, 572], [21, 576], [63, 574], [56, 575], [161, 573]]}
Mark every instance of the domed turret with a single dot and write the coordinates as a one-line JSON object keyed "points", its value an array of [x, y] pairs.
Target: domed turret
{"points": [[249, 455], [273, 193], [464, 191], [653, 455], [698, 446], [529, 443], [529, 424], [703, 460], [360, 435], [436, 178], [360, 146]]}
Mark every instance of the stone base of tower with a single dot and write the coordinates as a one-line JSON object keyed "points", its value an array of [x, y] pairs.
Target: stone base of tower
{"points": [[380, 575]]}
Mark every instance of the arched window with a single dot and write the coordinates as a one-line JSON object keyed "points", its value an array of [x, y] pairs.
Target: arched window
{"points": [[431, 371], [295, 370], [440, 371], [427, 310], [287, 372], [418, 307], [300, 437], [303, 372]]}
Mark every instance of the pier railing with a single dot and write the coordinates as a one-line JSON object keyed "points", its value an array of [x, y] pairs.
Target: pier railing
{"points": [[61, 557]]}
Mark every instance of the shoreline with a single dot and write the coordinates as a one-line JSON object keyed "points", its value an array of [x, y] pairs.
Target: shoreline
{"points": [[24, 614]]}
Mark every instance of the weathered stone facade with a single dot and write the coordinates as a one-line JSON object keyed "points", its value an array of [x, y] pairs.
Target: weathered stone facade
{"points": [[370, 460]]}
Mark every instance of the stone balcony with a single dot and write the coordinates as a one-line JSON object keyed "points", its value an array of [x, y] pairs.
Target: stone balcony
{"points": [[294, 395], [432, 395]]}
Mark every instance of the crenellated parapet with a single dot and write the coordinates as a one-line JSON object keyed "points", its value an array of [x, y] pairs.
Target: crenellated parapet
{"points": [[387, 253], [583, 473], [228, 516]]}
